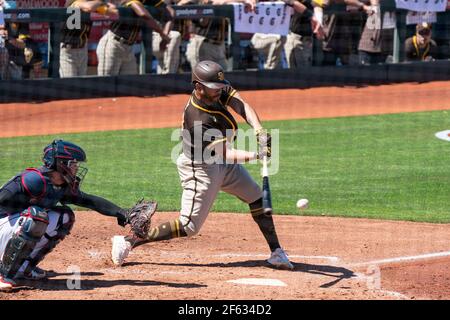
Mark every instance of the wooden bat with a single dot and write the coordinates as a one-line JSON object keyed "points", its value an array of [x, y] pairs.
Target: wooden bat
{"points": [[267, 196]]}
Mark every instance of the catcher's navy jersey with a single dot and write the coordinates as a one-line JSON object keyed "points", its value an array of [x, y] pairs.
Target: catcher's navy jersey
{"points": [[33, 187]]}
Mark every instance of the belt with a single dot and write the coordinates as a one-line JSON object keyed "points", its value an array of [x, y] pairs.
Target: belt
{"points": [[216, 42], [123, 40], [71, 46]]}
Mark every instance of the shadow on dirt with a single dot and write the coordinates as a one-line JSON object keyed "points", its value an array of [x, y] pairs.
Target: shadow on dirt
{"points": [[70, 284], [339, 273]]}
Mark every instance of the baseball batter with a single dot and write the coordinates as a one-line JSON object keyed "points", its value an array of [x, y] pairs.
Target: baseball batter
{"points": [[209, 163], [34, 216], [115, 49], [73, 55]]}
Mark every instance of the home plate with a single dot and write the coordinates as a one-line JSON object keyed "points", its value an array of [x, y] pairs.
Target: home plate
{"points": [[260, 282]]}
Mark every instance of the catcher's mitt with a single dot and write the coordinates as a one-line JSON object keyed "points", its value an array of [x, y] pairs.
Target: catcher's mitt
{"points": [[140, 215]]}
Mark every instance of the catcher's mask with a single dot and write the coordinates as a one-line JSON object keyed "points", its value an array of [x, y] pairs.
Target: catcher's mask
{"points": [[65, 157], [210, 74]]}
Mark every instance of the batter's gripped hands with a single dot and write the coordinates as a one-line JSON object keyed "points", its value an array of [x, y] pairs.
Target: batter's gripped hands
{"points": [[317, 28], [250, 4]]}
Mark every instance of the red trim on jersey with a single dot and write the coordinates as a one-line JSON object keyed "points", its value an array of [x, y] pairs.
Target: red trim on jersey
{"points": [[43, 179]]}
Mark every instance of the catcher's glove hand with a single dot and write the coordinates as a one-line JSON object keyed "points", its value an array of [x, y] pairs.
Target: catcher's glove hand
{"points": [[140, 215]]}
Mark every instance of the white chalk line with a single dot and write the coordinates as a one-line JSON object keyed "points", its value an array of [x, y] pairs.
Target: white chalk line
{"points": [[402, 259], [232, 255]]}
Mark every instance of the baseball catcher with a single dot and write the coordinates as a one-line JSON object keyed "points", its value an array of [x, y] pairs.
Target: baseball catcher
{"points": [[35, 216]]}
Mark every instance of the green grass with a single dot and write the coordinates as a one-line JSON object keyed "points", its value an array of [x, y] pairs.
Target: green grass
{"points": [[387, 166]]}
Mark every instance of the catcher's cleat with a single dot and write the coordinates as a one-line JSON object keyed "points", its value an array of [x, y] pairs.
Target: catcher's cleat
{"points": [[279, 260], [36, 274], [6, 284], [120, 250]]}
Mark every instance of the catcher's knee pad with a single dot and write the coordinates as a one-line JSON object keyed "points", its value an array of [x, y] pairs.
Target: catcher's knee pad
{"points": [[64, 225], [33, 223], [256, 208]]}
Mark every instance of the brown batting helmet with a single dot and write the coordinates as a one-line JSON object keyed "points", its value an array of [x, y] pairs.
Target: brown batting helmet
{"points": [[209, 74]]}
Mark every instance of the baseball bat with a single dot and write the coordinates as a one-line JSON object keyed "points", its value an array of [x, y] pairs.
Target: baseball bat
{"points": [[267, 196]]}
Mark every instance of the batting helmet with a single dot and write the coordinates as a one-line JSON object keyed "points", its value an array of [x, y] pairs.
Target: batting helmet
{"points": [[64, 157], [210, 74]]}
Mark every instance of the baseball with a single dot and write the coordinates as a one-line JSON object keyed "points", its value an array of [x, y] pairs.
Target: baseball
{"points": [[302, 203]]}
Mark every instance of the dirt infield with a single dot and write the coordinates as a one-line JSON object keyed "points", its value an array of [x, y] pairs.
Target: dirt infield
{"points": [[334, 258]]}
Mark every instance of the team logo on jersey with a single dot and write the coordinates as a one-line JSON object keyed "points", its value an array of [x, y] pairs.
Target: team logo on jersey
{"points": [[221, 76]]}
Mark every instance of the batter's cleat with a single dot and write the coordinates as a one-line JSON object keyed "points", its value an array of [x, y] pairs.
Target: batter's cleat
{"points": [[279, 260], [6, 284], [120, 250], [36, 274]]}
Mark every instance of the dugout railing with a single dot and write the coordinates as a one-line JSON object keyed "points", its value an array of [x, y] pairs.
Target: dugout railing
{"points": [[56, 16]]}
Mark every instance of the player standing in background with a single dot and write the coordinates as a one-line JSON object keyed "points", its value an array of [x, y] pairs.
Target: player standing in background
{"points": [[209, 164], [24, 54], [73, 54], [34, 216], [4, 56], [207, 35], [336, 21], [169, 57], [299, 43], [420, 47], [115, 48]]}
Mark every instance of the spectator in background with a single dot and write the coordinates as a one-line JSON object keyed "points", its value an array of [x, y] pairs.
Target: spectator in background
{"points": [[115, 48], [73, 55], [4, 56], [207, 35], [337, 22], [420, 47], [168, 58], [376, 42], [299, 42], [25, 58]]}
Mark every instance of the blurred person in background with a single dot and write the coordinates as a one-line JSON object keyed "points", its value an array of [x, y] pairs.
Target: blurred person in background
{"points": [[420, 47], [207, 35], [337, 24], [24, 54], [73, 54]]}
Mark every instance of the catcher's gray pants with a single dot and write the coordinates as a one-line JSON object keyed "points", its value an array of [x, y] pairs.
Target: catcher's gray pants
{"points": [[199, 49], [10, 224], [298, 50], [270, 47], [73, 62], [202, 182], [115, 57], [169, 59]]}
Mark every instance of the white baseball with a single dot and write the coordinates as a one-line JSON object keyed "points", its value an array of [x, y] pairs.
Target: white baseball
{"points": [[302, 203]]}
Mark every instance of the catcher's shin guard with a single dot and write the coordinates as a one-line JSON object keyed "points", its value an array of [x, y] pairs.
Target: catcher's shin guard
{"points": [[64, 225], [265, 224], [32, 225]]}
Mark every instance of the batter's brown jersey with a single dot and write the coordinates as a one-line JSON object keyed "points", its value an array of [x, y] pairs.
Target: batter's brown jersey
{"points": [[204, 124]]}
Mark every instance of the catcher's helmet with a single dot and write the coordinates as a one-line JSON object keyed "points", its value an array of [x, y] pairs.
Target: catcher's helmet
{"points": [[209, 74], [64, 157]]}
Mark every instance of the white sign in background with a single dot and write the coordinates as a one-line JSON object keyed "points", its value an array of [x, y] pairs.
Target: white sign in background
{"points": [[414, 17], [422, 5], [2, 20], [268, 17]]}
